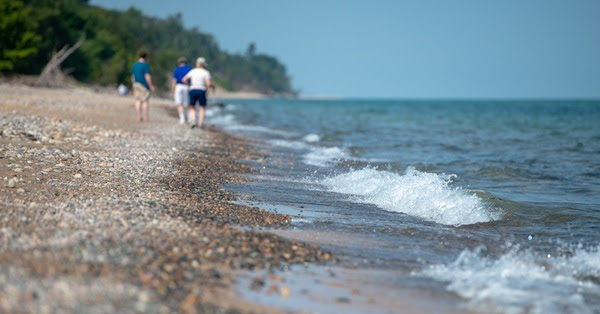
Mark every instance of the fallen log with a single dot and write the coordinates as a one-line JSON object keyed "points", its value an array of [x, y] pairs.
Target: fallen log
{"points": [[51, 76]]}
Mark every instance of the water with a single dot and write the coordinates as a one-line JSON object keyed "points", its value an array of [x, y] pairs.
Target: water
{"points": [[496, 202]]}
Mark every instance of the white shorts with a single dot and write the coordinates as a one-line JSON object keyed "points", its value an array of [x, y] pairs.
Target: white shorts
{"points": [[182, 94]]}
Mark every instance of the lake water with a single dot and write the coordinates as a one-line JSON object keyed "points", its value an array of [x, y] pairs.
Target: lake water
{"points": [[496, 202]]}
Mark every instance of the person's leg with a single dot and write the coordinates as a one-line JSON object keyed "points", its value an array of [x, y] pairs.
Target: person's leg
{"points": [[181, 114], [180, 101], [145, 109], [192, 114], [185, 102], [138, 94], [138, 110], [202, 100], [200, 120]]}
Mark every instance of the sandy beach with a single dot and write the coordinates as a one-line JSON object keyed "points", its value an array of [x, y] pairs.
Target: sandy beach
{"points": [[104, 214]]}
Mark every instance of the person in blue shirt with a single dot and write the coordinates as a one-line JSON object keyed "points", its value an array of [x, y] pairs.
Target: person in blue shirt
{"points": [[141, 82], [180, 91]]}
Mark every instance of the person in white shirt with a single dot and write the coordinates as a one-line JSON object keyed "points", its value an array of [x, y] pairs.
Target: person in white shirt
{"points": [[199, 80]]}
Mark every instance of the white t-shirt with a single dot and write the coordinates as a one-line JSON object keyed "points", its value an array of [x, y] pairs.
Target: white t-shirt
{"points": [[198, 78]]}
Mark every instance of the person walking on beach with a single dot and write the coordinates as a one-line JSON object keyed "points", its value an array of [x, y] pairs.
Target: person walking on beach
{"points": [[180, 90], [199, 79], [141, 82]]}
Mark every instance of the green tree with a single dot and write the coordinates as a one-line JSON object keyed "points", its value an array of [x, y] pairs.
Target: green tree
{"points": [[18, 37], [32, 30], [163, 64], [251, 51]]}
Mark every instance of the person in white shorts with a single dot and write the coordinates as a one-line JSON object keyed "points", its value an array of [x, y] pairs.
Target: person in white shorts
{"points": [[180, 91]]}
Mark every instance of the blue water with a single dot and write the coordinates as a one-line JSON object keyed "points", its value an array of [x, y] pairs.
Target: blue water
{"points": [[496, 201]]}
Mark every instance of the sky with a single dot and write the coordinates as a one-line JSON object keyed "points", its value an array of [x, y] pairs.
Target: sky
{"points": [[409, 49]]}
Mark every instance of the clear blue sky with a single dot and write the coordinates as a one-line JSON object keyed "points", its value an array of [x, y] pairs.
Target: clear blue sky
{"points": [[406, 49]]}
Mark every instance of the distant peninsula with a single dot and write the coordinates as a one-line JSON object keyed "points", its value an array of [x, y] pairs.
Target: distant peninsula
{"points": [[32, 31]]}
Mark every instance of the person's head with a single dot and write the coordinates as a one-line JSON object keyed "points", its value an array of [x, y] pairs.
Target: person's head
{"points": [[143, 55], [200, 62], [181, 60]]}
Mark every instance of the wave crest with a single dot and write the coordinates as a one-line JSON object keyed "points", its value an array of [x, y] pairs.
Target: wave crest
{"points": [[421, 194]]}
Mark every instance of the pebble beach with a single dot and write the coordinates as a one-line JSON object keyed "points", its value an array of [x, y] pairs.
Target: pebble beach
{"points": [[99, 213]]}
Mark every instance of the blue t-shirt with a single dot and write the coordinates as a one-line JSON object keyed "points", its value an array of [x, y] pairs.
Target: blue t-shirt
{"points": [[138, 70], [180, 72]]}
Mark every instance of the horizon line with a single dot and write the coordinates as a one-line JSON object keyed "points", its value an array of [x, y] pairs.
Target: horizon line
{"points": [[450, 98]]}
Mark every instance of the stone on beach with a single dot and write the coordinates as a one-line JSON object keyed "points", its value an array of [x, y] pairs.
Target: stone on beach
{"points": [[12, 183], [116, 216]]}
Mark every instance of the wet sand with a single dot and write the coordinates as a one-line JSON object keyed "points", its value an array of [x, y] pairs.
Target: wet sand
{"points": [[100, 213], [337, 289]]}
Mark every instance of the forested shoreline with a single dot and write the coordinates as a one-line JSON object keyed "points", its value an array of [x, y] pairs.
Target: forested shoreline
{"points": [[32, 30]]}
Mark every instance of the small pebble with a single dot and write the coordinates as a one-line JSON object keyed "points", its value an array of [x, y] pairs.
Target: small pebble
{"points": [[342, 300], [285, 291]]}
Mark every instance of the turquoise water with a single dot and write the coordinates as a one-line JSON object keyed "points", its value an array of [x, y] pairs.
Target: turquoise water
{"points": [[497, 202]]}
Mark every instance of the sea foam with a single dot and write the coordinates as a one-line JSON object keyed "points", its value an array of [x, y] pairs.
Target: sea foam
{"points": [[288, 144], [521, 281], [315, 155], [311, 138], [421, 194], [257, 129], [324, 156]]}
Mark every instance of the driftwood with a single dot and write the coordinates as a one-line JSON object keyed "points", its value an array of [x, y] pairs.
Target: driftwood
{"points": [[52, 76]]}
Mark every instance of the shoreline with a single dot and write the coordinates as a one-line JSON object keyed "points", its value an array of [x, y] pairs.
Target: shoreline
{"points": [[107, 214], [221, 93], [70, 83]]}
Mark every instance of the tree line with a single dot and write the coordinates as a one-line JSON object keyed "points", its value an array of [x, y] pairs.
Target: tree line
{"points": [[32, 30]]}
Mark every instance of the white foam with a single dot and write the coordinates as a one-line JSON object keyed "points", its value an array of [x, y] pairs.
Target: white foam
{"points": [[232, 107], [421, 194], [289, 144], [257, 129], [226, 119], [324, 156], [221, 120], [316, 156], [311, 138], [523, 281]]}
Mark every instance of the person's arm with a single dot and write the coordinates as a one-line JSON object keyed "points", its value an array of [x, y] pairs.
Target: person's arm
{"points": [[132, 82], [186, 78], [148, 78], [208, 83]]}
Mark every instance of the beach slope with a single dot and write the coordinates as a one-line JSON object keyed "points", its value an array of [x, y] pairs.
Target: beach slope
{"points": [[100, 213]]}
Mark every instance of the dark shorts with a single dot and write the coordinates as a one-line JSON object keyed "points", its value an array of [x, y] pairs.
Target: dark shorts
{"points": [[197, 95]]}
